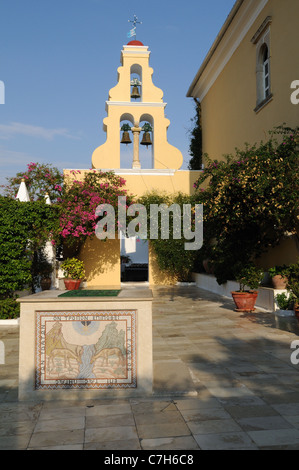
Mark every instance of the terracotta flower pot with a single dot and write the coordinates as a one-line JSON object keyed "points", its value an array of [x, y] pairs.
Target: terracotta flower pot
{"points": [[45, 283], [245, 301], [72, 284], [279, 282]]}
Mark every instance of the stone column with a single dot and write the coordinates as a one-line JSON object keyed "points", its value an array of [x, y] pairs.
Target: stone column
{"points": [[136, 131]]}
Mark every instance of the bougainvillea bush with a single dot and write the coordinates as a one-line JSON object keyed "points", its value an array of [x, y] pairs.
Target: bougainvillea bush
{"points": [[40, 179], [79, 202], [250, 201]]}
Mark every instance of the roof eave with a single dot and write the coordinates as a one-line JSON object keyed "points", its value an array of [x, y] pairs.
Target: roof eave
{"points": [[215, 44]]}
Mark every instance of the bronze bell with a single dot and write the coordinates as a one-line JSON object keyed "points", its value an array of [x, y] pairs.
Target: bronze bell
{"points": [[135, 92], [146, 139], [126, 138]]}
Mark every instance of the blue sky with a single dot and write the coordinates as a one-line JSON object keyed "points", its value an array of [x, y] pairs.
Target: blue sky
{"points": [[59, 59]]}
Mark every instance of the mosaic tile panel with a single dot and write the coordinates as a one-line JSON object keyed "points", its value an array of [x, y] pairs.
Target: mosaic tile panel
{"points": [[86, 350]]}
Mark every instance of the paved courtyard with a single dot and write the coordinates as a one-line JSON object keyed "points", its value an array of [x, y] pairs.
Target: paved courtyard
{"points": [[222, 380]]}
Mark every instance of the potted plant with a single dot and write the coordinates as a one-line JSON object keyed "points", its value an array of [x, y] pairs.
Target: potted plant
{"points": [[249, 278], [74, 272], [293, 285], [278, 275], [284, 302], [41, 271], [45, 271]]}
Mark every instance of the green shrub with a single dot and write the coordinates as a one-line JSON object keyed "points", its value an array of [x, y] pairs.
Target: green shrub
{"points": [[24, 228], [278, 271], [250, 276], [250, 200], [73, 268], [172, 257], [293, 281], [284, 301], [9, 309]]}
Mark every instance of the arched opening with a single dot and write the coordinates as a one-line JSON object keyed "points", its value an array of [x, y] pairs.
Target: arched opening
{"points": [[126, 146], [146, 152], [136, 83]]}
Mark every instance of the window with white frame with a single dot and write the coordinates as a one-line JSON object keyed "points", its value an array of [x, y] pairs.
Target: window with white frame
{"points": [[263, 64]]}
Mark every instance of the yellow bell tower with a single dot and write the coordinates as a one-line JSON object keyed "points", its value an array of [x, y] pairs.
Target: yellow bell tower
{"points": [[135, 117], [135, 100]]}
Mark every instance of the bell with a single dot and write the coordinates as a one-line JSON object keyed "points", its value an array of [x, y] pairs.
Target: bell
{"points": [[146, 139], [126, 138], [135, 92]]}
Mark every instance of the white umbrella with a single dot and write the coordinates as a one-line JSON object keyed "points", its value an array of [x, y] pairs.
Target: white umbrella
{"points": [[49, 249], [23, 195], [48, 200]]}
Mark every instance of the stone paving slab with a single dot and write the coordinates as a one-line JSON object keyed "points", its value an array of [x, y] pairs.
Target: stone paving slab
{"points": [[223, 381], [170, 443]]}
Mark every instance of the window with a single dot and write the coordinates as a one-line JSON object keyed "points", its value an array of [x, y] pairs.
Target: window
{"points": [[263, 65], [266, 73]]}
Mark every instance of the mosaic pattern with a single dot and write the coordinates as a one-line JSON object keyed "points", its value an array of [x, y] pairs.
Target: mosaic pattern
{"points": [[86, 350]]}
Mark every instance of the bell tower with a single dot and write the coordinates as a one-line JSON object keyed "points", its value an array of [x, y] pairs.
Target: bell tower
{"points": [[136, 115]]}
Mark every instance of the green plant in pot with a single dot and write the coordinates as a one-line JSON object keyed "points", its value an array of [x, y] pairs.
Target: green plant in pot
{"points": [[293, 285], [284, 302], [74, 271], [278, 276], [249, 278]]}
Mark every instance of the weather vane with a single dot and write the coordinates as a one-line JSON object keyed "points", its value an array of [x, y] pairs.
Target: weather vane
{"points": [[132, 32]]}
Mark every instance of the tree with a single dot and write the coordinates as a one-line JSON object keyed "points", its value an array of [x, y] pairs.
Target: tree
{"points": [[195, 148], [40, 179]]}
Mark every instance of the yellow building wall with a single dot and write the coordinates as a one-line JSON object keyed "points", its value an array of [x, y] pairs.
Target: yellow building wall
{"points": [[102, 262], [286, 253], [141, 183], [155, 275], [228, 115], [102, 259]]}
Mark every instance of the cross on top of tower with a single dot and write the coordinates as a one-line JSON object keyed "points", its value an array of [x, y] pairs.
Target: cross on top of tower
{"points": [[132, 32]]}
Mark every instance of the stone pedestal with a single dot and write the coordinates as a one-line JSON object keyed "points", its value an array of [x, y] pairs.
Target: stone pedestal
{"points": [[86, 347]]}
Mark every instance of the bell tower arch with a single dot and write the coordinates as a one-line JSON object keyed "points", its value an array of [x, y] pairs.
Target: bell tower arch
{"points": [[136, 96], [136, 83]]}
